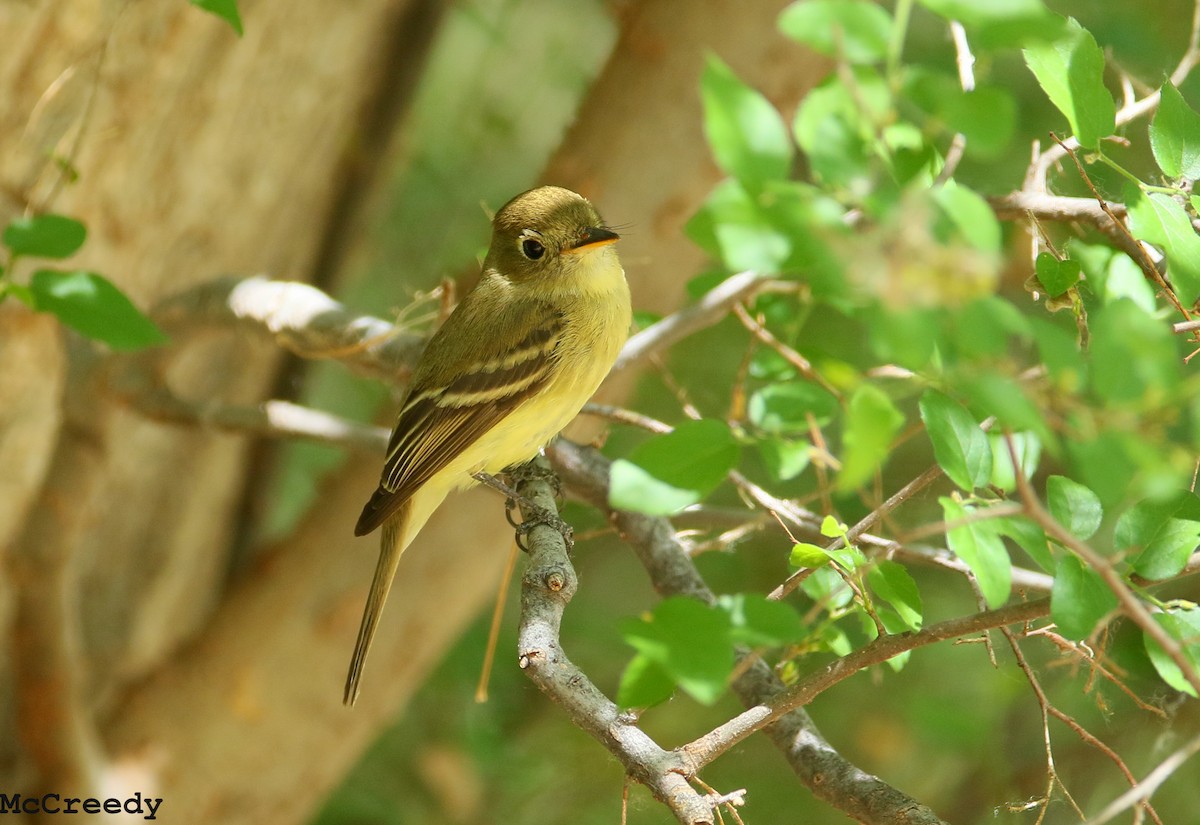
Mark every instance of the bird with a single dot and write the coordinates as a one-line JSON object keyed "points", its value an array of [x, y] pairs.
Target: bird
{"points": [[511, 366]]}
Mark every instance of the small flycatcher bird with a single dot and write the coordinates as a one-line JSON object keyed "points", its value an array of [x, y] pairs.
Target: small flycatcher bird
{"points": [[511, 366]]}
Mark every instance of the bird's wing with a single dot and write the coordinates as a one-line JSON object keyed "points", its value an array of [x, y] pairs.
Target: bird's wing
{"points": [[440, 420]]}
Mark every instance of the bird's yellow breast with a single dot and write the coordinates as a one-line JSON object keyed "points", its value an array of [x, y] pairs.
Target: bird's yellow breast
{"points": [[595, 301]]}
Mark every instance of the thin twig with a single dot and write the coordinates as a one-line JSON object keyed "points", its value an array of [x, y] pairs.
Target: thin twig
{"points": [[1145, 789], [1130, 603], [1143, 261], [802, 364], [1044, 706]]}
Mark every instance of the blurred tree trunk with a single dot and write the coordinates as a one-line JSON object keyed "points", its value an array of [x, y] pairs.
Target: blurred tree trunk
{"points": [[198, 155]]}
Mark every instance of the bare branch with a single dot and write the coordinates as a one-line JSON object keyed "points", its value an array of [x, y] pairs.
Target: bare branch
{"points": [[300, 318], [710, 309], [547, 586]]}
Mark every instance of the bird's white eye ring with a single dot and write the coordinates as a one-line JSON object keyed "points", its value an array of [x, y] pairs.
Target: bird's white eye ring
{"points": [[532, 249]]}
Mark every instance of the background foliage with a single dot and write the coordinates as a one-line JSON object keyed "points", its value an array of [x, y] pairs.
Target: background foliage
{"points": [[898, 263], [955, 393]]}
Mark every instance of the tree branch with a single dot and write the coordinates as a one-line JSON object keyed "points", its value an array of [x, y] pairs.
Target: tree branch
{"points": [[547, 586], [822, 769], [710, 309]]}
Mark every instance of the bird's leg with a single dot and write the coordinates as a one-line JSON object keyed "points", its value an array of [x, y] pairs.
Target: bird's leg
{"points": [[536, 513]]}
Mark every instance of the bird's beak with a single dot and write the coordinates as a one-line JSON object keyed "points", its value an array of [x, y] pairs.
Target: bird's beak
{"points": [[592, 237]]}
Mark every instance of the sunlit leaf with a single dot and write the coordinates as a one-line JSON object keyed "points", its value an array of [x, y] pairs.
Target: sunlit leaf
{"points": [[856, 29], [972, 218], [1132, 354], [1071, 72], [756, 620], [1055, 275], [644, 683], [995, 23], [671, 471], [1175, 135], [747, 134], [1029, 452], [1162, 220], [785, 459], [690, 641]]}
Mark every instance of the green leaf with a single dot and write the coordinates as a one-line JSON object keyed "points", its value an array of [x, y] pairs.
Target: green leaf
{"points": [[644, 683], [906, 336], [996, 23], [1162, 220], [1125, 279], [985, 116], [1056, 276], [1133, 356], [45, 236], [1184, 627], [892, 582], [835, 127], [91, 305], [690, 641], [227, 10], [984, 327], [733, 227], [1165, 532], [978, 544], [671, 471], [19, 291], [996, 394], [747, 134], [1030, 538], [857, 29], [826, 587], [1071, 72], [1106, 463], [1058, 349], [785, 459], [831, 528], [960, 447], [808, 555], [1079, 598], [1074, 506], [632, 488], [1029, 452], [784, 408], [973, 220], [1175, 135], [758, 621], [872, 421]]}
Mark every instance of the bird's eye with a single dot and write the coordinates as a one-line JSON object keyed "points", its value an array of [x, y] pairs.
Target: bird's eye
{"points": [[532, 249]]}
